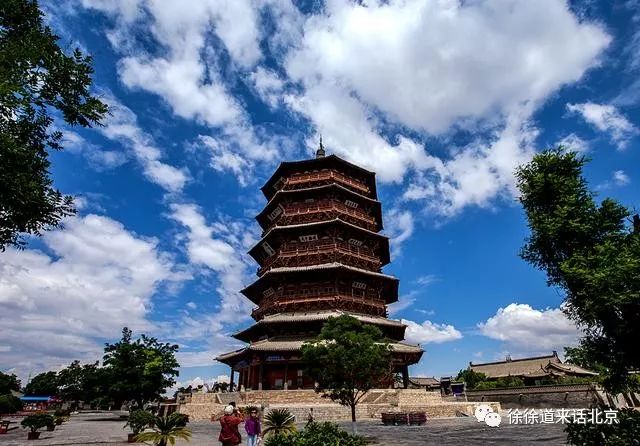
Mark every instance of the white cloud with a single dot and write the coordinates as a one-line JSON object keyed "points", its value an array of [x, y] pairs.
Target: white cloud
{"points": [[219, 248], [399, 226], [606, 118], [476, 173], [529, 330], [97, 157], [574, 143], [620, 178], [411, 60], [268, 85], [60, 305], [427, 279], [184, 70], [430, 332], [408, 62], [121, 126]]}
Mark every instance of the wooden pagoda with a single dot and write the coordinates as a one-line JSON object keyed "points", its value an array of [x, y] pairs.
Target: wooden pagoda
{"points": [[320, 256]]}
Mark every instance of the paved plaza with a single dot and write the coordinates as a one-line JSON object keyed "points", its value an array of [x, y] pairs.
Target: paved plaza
{"points": [[106, 429]]}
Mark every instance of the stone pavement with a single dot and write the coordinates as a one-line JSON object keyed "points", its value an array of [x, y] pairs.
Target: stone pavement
{"points": [[106, 429]]}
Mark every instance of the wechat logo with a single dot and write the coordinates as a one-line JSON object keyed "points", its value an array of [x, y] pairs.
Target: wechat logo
{"points": [[485, 413]]}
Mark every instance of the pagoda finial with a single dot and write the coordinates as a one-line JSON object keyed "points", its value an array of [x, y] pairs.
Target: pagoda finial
{"points": [[320, 152]]}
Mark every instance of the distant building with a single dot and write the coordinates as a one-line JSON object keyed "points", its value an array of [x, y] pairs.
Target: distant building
{"points": [[532, 370], [424, 382]]}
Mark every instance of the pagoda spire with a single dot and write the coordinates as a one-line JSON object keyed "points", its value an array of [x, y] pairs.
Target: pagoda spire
{"points": [[320, 153]]}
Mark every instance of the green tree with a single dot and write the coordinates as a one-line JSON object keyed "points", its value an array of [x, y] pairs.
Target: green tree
{"points": [[589, 251], [471, 378], [139, 370], [43, 384], [82, 382], [347, 360], [9, 383], [38, 82]]}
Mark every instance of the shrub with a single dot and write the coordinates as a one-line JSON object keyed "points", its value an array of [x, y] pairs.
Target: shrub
{"points": [[10, 404], [316, 434], [624, 433], [139, 420], [181, 419], [166, 430], [279, 421], [62, 412], [37, 421]]}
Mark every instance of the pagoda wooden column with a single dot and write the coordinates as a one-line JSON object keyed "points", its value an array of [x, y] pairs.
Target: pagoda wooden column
{"points": [[286, 375], [231, 380], [250, 378], [405, 376], [260, 375]]}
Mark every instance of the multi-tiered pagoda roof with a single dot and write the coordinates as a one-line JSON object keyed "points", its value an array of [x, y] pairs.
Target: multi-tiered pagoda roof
{"points": [[321, 255]]}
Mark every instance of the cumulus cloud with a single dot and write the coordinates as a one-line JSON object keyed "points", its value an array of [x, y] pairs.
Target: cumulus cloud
{"points": [[365, 67], [529, 330], [94, 278], [430, 332], [218, 248], [608, 119], [185, 70]]}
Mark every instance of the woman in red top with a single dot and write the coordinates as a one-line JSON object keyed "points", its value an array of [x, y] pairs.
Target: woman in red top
{"points": [[229, 433]]}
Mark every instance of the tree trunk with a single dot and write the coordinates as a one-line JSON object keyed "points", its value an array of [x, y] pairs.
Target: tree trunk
{"points": [[354, 430]]}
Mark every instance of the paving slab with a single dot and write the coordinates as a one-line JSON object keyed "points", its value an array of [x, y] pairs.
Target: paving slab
{"points": [[106, 429]]}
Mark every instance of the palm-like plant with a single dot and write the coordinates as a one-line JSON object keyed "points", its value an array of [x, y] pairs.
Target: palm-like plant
{"points": [[166, 430], [279, 421]]}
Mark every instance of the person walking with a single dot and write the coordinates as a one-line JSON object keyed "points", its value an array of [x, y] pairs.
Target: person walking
{"points": [[229, 434], [253, 428]]}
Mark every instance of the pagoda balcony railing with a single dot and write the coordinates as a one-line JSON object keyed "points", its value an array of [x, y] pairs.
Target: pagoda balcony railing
{"points": [[300, 180], [274, 304], [310, 249], [291, 211]]}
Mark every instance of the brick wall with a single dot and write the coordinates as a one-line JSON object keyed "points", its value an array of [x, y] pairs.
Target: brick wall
{"points": [[203, 405], [568, 396]]}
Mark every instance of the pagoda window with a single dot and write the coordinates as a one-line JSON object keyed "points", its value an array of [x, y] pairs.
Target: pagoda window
{"points": [[359, 285], [278, 183], [268, 292], [355, 242], [268, 249], [308, 238], [274, 214], [309, 200], [351, 204]]}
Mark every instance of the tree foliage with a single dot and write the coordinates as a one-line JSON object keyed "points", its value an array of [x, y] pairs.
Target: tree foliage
{"points": [[8, 383], [39, 84], [82, 382], [139, 370], [10, 404], [471, 378], [348, 359], [588, 250], [44, 384]]}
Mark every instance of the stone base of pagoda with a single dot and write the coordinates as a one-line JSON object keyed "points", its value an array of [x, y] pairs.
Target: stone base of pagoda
{"points": [[201, 406]]}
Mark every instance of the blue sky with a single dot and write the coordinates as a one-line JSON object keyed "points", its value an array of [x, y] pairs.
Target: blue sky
{"points": [[443, 99]]}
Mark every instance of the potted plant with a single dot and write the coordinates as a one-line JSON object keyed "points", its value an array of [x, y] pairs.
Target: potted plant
{"points": [[138, 420], [36, 422], [58, 420]]}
